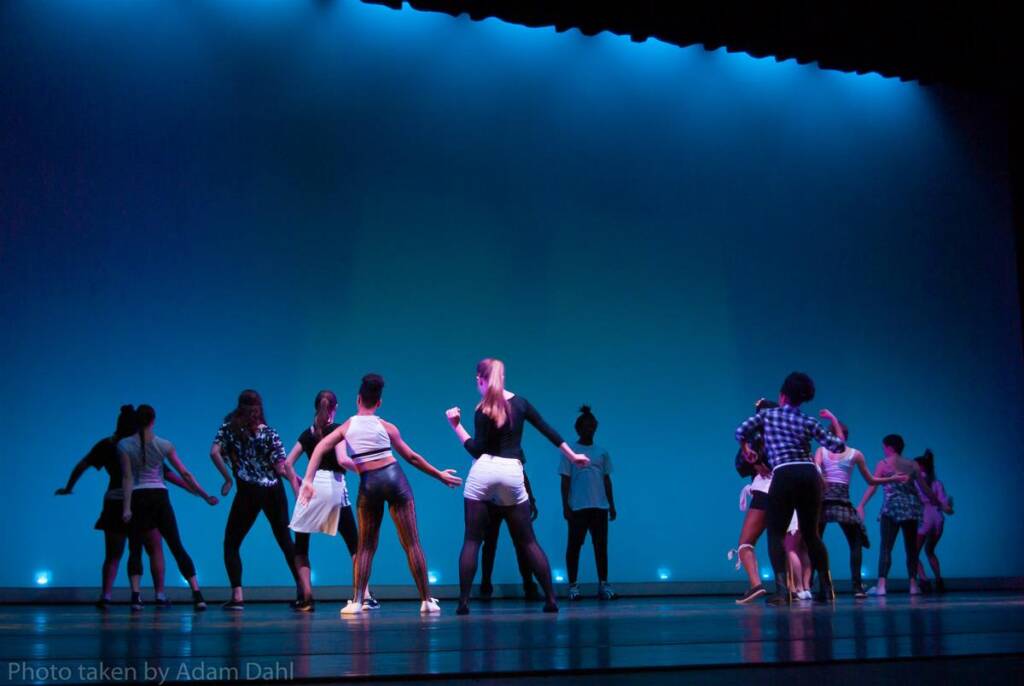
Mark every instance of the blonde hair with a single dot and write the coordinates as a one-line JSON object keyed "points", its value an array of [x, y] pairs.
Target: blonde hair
{"points": [[494, 403]]}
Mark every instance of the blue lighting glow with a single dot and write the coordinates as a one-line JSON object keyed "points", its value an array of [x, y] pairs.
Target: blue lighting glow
{"points": [[664, 573], [43, 578], [766, 573], [433, 577], [559, 575]]}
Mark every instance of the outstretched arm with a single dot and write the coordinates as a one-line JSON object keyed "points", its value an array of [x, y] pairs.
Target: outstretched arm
{"points": [[188, 478], [870, 478], [76, 474], [446, 476], [532, 416]]}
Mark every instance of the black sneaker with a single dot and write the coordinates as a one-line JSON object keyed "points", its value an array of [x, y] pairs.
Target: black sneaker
{"points": [[161, 603], [926, 586], [486, 591], [859, 593], [551, 607], [304, 605], [940, 585], [136, 602], [233, 605], [103, 604], [198, 602], [371, 603], [752, 594], [779, 599]]}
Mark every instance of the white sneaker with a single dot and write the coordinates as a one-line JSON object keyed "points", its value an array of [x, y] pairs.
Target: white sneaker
{"points": [[430, 607], [804, 595], [352, 608], [875, 591]]}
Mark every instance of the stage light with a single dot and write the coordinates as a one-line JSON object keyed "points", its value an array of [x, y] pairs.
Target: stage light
{"points": [[312, 576], [43, 578], [664, 574], [559, 575], [433, 577], [766, 573]]}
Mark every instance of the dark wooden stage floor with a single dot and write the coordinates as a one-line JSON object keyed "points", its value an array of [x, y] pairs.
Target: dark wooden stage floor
{"points": [[963, 637]]}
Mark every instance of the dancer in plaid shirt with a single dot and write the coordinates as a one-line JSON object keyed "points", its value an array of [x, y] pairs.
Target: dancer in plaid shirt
{"points": [[796, 482]]}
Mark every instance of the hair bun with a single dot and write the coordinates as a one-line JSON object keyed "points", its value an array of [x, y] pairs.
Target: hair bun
{"points": [[585, 409], [127, 408]]}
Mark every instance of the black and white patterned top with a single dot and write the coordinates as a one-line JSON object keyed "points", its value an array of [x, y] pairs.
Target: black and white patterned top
{"points": [[252, 458], [787, 435]]}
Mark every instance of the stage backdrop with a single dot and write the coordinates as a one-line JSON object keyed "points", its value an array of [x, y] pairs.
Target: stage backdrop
{"points": [[204, 197]]}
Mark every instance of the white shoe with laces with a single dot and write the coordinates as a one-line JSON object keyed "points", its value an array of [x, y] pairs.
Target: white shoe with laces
{"points": [[874, 590], [352, 608], [430, 606]]}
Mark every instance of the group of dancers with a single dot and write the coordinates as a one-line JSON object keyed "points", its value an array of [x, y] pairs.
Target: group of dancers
{"points": [[794, 495], [251, 458]]}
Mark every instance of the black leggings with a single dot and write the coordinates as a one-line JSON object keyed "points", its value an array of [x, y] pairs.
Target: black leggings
{"points": [[347, 529], [478, 519], [795, 487], [855, 539], [490, 549], [594, 520], [151, 509], [890, 529], [250, 500]]}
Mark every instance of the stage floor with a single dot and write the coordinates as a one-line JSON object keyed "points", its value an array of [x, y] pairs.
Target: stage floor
{"points": [[502, 639]]}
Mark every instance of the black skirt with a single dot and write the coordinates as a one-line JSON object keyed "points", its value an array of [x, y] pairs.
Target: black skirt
{"points": [[111, 517]]}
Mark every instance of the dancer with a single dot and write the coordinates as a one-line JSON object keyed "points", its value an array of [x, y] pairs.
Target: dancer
{"points": [[146, 504], [837, 469], [329, 511], [490, 549], [901, 510], [496, 478], [115, 530], [796, 483], [932, 522], [258, 463], [751, 461], [588, 505], [368, 443]]}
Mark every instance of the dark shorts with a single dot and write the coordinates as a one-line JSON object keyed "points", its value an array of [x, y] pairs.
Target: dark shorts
{"points": [[385, 485], [111, 519], [150, 506], [759, 500]]}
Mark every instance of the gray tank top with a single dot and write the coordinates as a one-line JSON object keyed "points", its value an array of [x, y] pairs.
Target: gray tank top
{"points": [[148, 464]]}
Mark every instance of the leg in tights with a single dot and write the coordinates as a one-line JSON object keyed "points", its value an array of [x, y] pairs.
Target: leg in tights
{"points": [[478, 519], [521, 528], [275, 509], [245, 508], [167, 524], [155, 549], [855, 539], [302, 564], [370, 516], [404, 516], [577, 535], [599, 538], [525, 571], [490, 546], [930, 541], [889, 529], [778, 515], [909, 529], [113, 546], [808, 511], [347, 529]]}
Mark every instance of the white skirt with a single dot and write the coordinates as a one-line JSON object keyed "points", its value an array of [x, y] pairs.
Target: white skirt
{"points": [[321, 514], [497, 480]]}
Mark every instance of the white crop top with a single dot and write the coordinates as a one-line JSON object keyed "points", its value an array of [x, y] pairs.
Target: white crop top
{"points": [[366, 439], [837, 470]]}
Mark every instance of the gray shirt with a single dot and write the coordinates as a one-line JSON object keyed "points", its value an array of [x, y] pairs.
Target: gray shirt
{"points": [[147, 465], [586, 484]]}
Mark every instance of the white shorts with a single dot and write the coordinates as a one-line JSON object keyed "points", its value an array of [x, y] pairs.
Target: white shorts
{"points": [[322, 512], [497, 480]]}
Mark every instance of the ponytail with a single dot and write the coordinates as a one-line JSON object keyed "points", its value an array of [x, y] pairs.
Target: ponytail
{"points": [[494, 403], [144, 415], [325, 404]]}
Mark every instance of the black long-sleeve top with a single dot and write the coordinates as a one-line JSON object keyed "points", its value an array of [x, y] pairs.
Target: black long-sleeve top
{"points": [[506, 441]]}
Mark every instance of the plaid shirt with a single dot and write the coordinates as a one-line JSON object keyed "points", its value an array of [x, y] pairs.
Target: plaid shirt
{"points": [[787, 435]]}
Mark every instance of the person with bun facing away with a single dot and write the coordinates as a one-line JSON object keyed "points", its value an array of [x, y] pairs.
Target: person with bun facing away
{"points": [[496, 479], [369, 441], [147, 505], [796, 483], [932, 522], [588, 505]]}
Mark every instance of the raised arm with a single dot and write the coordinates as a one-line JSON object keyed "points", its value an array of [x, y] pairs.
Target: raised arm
{"points": [[474, 446], [187, 477], [834, 440], [538, 423], [446, 476], [76, 474]]}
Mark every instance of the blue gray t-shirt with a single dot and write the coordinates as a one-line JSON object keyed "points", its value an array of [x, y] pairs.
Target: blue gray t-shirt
{"points": [[148, 464], [586, 484]]}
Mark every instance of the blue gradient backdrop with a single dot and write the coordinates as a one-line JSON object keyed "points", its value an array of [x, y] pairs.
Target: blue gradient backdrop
{"points": [[203, 197]]}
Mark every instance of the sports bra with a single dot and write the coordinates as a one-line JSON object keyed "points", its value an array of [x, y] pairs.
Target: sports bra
{"points": [[366, 439]]}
